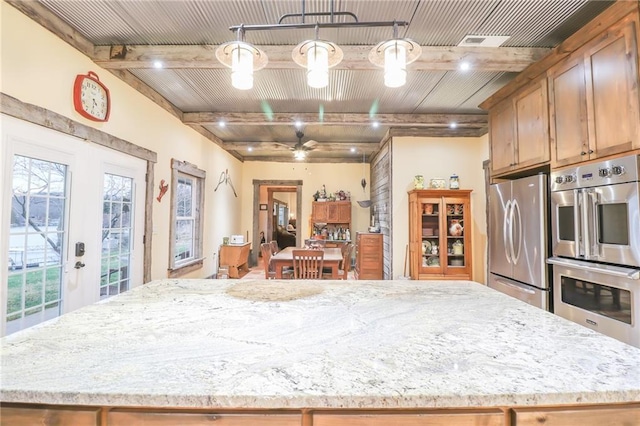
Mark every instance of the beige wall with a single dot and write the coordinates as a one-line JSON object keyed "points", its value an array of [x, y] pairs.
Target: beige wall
{"points": [[439, 158], [335, 177], [39, 68]]}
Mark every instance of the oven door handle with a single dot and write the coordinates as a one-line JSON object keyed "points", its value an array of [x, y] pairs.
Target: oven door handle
{"points": [[594, 251], [506, 231], [577, 222], [615, 271]]}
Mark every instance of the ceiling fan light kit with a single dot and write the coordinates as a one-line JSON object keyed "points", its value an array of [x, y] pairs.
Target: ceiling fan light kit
{"points": [[317, 56]]}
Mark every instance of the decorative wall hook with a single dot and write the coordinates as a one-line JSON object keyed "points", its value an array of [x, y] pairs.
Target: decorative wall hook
{"points": [[163, 189], [225, 178]]}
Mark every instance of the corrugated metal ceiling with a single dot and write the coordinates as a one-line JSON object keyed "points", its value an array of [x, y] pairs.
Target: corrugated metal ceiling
{"points": [[529, 23]]}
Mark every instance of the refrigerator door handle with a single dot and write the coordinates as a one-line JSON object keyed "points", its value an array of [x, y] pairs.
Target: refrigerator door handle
{"points": [[511, 249], [515, 208], [506, 230], [515, 287]]}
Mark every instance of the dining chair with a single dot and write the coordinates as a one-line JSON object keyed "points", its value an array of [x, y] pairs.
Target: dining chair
{"points": [[274, 246], [265, 249], [307, 264], [269, 271], [345, 263]]}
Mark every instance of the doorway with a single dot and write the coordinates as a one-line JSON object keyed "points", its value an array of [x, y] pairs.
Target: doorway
{"points": [[72, 223], [263, 210]]}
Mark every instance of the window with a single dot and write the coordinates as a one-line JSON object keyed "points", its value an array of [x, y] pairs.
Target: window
{"points": [[117, 232], [187, 202]]}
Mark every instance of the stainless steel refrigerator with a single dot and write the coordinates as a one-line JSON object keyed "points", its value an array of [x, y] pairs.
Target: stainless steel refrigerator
{"points": [[518, 226]]}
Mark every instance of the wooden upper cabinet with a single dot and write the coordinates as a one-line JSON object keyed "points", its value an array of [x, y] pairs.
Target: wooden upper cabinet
{"points": [[568, 112], [502, 136], [532, 125], [612, 89], [319, 211], [593, 98], [519, 126]]}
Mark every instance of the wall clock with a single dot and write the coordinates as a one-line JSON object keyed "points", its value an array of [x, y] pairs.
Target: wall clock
{"points": [[91, 98]]}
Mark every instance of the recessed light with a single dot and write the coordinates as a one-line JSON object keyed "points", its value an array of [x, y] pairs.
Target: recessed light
{"points": [[464, 66], [250, 149], [158, 64], [221, 123], [453, 125], [375, 124], [353, 149]]}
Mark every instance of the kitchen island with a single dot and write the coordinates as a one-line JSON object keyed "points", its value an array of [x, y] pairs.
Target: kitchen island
{"points": [[259, 352]]}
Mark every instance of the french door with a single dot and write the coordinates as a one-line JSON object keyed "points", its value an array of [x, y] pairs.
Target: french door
{"points": [[72, 223]]}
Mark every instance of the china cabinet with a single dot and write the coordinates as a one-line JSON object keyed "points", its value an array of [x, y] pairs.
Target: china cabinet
{"points": [[440, 234]]}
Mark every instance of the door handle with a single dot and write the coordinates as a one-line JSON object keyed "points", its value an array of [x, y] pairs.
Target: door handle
{"points": [[516, 208], [505, 230], [79, 265]]}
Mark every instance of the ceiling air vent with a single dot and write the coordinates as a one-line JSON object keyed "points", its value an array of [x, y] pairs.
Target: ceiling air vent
{"points": [[483, 41]]}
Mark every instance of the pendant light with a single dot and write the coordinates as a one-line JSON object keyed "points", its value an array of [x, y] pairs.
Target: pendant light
{"points": [[317, 56], [243, 59], [394, 55]]}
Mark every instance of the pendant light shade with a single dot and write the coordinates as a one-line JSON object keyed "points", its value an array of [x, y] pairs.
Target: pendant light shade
{"points": [[394, 55], [317, 56], [241, 67], [243, 59], [395, 65]]}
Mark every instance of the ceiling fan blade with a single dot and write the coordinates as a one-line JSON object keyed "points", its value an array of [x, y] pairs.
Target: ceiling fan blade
{"points": [[310, 144], [284, 145]]}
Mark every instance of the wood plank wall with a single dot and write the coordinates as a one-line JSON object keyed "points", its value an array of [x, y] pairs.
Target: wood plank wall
{"points": [[381, 184]]}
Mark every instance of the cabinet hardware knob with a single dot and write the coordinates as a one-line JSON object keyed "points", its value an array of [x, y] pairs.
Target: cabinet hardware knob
{"points": [[590, 151], [583, 153]]}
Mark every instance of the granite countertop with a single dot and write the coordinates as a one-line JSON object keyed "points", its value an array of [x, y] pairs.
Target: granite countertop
{"points": [[284, 344]]}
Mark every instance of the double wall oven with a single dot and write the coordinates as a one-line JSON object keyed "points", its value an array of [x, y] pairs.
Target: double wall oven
{"points": [[595, 227]]}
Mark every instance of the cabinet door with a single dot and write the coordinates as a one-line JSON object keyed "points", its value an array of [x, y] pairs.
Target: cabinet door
{"points": [[612, 76], [502, 120], [568, 112], [532, 125], [457, 249], [344, 212], [127, 418], [450, 418], [49, 416], [319, 211], [578, 416]]}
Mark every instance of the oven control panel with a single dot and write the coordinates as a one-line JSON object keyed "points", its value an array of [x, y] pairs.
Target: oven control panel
{"points": [[617, 170]]}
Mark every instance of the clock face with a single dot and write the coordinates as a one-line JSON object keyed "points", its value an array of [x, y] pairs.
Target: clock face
{"points": [[91, 98], [94, 99]]}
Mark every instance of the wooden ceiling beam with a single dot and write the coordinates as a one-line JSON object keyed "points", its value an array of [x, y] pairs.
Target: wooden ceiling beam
{"points": [[334, 119], [491, 59], [319, 147]]}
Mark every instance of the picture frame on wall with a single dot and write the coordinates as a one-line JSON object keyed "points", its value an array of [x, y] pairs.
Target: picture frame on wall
{"points": [[263, 207]]}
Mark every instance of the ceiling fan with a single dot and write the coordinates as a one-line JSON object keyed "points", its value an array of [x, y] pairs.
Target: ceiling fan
{"points": [[300, 149]]}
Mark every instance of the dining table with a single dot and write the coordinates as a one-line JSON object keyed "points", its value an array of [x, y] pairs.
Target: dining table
{"points": [[284, 258]]}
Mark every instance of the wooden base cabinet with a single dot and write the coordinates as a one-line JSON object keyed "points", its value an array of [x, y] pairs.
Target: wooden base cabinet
{"points": [[440, 234], [369, 256]]}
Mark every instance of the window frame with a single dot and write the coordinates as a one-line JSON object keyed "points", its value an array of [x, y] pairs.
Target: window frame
{"points": [[178, 169]]}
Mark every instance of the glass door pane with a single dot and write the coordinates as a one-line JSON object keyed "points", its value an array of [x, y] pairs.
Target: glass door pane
{"points": [[117, 231], [455, 237], [430, 235], [36, 240]]}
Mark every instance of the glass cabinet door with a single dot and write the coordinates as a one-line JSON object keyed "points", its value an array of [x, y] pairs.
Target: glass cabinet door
{"points": [[455, 251], [431, 235]]}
